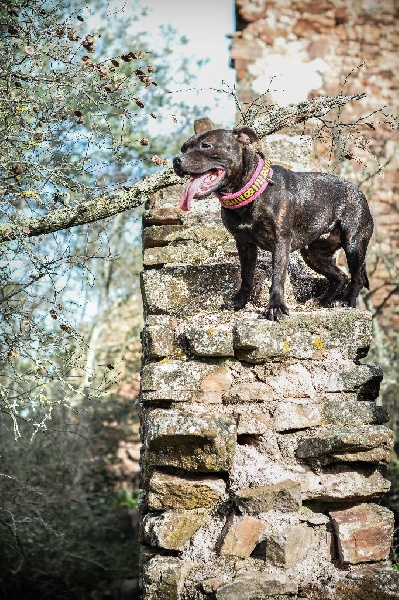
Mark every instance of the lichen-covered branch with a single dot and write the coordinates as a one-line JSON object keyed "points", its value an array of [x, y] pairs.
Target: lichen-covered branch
{"points": [[88, 212], [275, 119]]}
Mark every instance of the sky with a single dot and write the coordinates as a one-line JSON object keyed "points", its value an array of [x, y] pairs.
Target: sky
{"points": [[206, 24]]}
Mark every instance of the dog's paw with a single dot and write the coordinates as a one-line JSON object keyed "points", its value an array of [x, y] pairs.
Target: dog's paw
{"points": [[232, 305], [239, 300], [275, 313], [329, 303]]}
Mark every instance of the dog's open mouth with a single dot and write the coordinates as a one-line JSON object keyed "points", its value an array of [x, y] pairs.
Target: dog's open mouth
{"points": [[201, 185]]}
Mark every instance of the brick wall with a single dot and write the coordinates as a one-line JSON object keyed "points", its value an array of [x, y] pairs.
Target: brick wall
{"points": [[293, 50]]}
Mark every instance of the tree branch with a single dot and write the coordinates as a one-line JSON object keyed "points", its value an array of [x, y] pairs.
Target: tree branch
{"points": [[279, 117], [274, 120]]}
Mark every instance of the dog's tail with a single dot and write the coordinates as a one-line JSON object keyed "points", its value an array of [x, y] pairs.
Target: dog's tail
{"points": [[365, 278]]}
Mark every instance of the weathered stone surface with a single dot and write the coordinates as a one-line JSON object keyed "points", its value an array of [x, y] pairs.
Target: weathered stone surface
{"points": [[363, 379], [344, 484], [172, 529], [190, 245], [341, 443], [167, 492], [288, 381], [371, 584], [164, 576], [353, 413], [158, 336], [242, 536], [288, 548], [343, 333], [256, 391], [179, 381], [163, 216], [256, 423], [182, 290], [381, 456], [209, 586], [364, 533], [174, 255], [210, 235], [313, 517], [284, 496], [297, 414], [194, 442], [255, 585], [215, 340]]}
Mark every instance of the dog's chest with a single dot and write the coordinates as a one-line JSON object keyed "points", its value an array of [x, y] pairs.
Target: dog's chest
{"points": [[248, 227]]}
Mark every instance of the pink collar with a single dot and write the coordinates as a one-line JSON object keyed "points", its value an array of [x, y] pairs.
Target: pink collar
{"points": [[251, 190]]}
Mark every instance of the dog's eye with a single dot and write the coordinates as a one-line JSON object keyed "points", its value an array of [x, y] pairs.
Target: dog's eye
{"points": [[206, 145]]}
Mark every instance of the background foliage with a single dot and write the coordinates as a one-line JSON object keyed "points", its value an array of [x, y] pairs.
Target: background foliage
{"points": [[83, 106]]}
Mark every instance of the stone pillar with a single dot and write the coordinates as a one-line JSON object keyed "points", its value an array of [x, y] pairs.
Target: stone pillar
{"points": [[263, 450]]}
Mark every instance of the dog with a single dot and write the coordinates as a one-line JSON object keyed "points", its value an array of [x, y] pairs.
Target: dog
{"points": [[269, 207]]}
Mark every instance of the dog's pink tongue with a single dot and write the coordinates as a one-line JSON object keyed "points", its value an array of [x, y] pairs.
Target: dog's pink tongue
{"points": [[190, 191]]}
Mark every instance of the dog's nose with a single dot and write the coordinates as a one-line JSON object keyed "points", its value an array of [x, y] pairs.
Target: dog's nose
{"points": [[177, 161]]}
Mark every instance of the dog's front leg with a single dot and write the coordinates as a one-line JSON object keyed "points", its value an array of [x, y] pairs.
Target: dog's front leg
{"points": [[247, 254], [276, 307]]}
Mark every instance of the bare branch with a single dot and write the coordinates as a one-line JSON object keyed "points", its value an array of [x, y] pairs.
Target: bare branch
{"points": [[279, 117]]}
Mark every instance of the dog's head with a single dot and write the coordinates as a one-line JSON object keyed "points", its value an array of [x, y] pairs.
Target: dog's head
{"points": [[214, 160]]}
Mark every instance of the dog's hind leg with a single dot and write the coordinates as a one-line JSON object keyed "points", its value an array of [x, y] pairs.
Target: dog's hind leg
{"points": [[355, 244], [321, 260], [355, 257]]}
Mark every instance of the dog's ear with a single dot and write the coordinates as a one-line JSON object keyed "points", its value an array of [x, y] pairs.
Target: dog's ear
{"points": [[245, 135], [202, 125]]}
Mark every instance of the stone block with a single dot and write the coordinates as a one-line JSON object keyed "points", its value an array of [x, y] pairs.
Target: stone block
{"points": [[172, 530], [255, 391], [158, 336], [161, 235], [344, 484], [171, 492], [284, 496], [180, 381], [242, 536], [289, 547], [186, 245], [211, 340], [255, 585], [164, 577], [207, 235], [367, 443], [297, 414], [183, 290], [341, 333], [255, 423], [180, 254], [203, 442], [363, 379], [368, 584], [163, 216], [353, 413], [364, 533], [288, 380]]}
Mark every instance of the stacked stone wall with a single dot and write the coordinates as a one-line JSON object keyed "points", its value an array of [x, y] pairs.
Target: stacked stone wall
{"points": [[263, 449]]}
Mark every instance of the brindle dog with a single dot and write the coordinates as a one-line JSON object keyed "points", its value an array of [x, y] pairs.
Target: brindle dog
{"points": [[315, 213]]}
